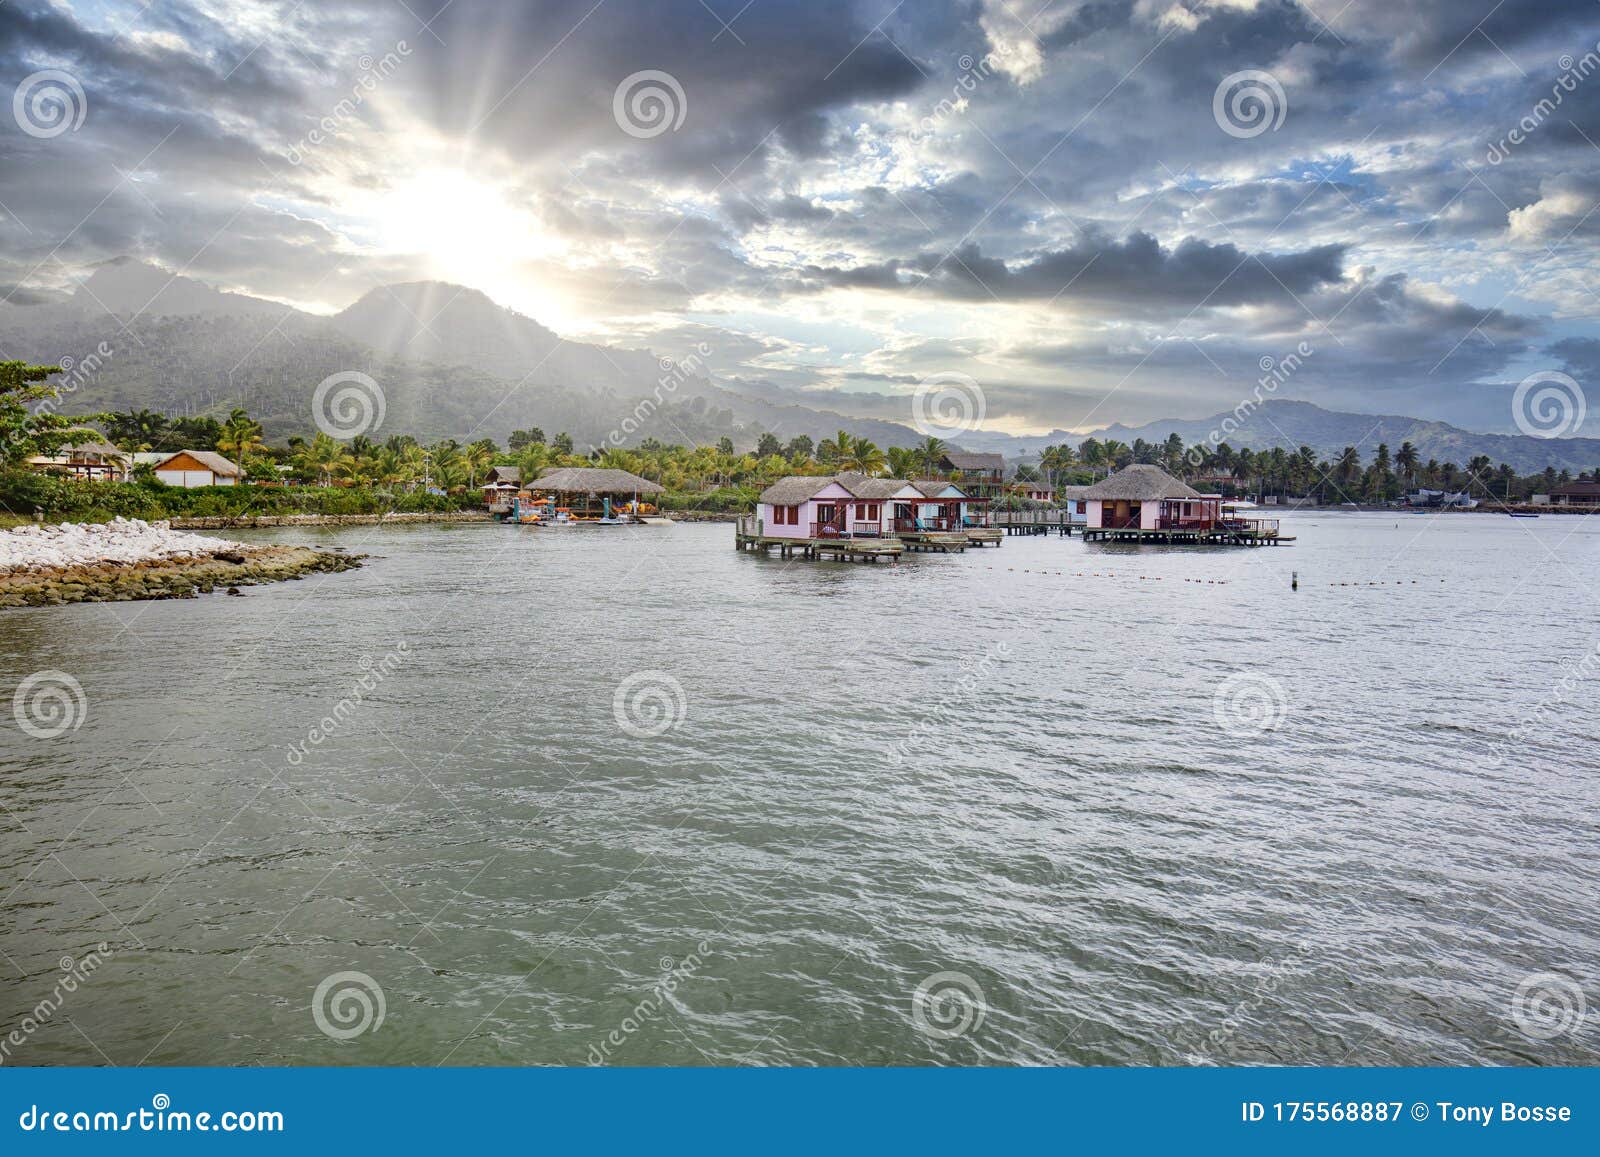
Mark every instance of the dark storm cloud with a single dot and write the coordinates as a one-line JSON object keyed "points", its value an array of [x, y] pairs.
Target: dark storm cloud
{"points": [[1088, 183], [1137, 271], [539, 80]]}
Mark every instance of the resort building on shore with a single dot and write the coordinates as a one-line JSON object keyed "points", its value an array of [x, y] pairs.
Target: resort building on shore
{"points": [[980, 475], [1583, 492], [85, 461], [569, 495], [1146, 497], [1034, 491], [191, 468]]}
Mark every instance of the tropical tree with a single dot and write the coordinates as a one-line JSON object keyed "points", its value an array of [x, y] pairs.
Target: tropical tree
{"points": [[929, 452], [25, 432], [240, 437], [903, 463]]}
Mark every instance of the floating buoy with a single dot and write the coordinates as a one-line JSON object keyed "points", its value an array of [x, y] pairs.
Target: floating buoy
{"points": [[1294, 580]]}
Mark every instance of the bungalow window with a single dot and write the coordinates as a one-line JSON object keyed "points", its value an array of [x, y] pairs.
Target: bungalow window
{"points": [[866, 511]]}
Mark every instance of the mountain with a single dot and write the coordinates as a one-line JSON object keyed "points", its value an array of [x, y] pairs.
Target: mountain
{"points": [[1291, 424], [450, 363], [128, 288]]}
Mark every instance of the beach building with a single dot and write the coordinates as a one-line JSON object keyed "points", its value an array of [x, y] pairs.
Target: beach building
{"points": [[591, 493], [1034, 491], [1583, 492], [190, 468], [88, 461], [1146, 497], [500, 488], [880, 515], [1074, 502], [1143, 503], [980, 475]]}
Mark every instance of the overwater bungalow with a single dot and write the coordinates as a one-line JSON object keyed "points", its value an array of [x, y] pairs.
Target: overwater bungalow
{"points": [[1143, 502], [834, 512]]}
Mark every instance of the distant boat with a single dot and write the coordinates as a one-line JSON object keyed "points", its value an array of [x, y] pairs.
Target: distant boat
{"points": [[1521, 514]]}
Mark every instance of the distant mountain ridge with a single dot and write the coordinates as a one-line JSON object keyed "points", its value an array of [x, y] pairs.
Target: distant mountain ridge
{"points": [[1291, 424], [452, 363]]}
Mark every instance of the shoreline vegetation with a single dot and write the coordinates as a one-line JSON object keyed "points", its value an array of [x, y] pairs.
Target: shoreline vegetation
{"points": [[322, 480]]}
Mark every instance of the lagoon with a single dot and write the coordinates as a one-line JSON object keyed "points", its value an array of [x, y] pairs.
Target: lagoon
{"points": [[629, 795]]}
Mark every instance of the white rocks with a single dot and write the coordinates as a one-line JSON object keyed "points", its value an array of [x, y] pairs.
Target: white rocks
{"points": [[34, 549]]}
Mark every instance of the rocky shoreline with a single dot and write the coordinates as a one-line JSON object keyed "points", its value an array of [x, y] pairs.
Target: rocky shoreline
{"points": [[169, 578], [122, 561]]}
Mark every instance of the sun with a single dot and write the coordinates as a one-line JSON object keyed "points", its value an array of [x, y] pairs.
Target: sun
{"points": [[464, 229]]}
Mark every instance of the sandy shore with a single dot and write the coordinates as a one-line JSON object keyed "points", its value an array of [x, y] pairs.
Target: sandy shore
{"points": [[122, 561]]}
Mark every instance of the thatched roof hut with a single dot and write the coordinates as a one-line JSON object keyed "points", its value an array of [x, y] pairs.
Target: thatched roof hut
{"points": [[1140, 482], [587, 480]]}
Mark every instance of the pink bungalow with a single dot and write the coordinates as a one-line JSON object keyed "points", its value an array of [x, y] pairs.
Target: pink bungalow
{"points": [[834, 506], [1145, 497]]}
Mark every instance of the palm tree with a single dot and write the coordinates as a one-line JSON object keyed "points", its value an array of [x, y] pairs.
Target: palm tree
{"points": [[1347, 468], [929, 453], [320, 456], [1406, 461], [1092, 453], [240, 437], [836, 450], [904, 463], [866, 457]]}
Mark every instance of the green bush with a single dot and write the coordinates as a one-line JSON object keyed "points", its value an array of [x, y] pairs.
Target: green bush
{"points": [[68, 500]]}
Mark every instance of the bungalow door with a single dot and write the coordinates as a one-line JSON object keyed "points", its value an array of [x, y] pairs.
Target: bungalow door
{"points": [[829, 518]]}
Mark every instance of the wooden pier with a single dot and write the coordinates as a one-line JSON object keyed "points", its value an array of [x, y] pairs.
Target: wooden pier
{"points": [[1034, 522], [943, 541], [1206, 536], [748, 536]]}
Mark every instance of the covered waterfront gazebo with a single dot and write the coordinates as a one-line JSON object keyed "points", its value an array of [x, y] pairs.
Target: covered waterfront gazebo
{"points": [[1146, 497], [593, 490]]}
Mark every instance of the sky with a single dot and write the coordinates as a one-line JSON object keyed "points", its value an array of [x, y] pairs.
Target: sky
{"points": [[1082, 212]]}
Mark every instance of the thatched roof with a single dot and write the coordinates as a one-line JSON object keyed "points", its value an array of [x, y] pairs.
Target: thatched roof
{"points": [[511, 474], [586, 480], [961, 460], [870, 489], [93, 448], [932, 487], [796, 488], [210, 459], [1140, 482], [1072, 493]]}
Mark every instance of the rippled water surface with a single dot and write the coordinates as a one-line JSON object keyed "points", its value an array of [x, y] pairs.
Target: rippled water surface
{"points": [[1007, 764]]}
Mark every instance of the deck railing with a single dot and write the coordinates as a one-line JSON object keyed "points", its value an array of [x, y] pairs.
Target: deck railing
{"points": [[934, 523]]}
